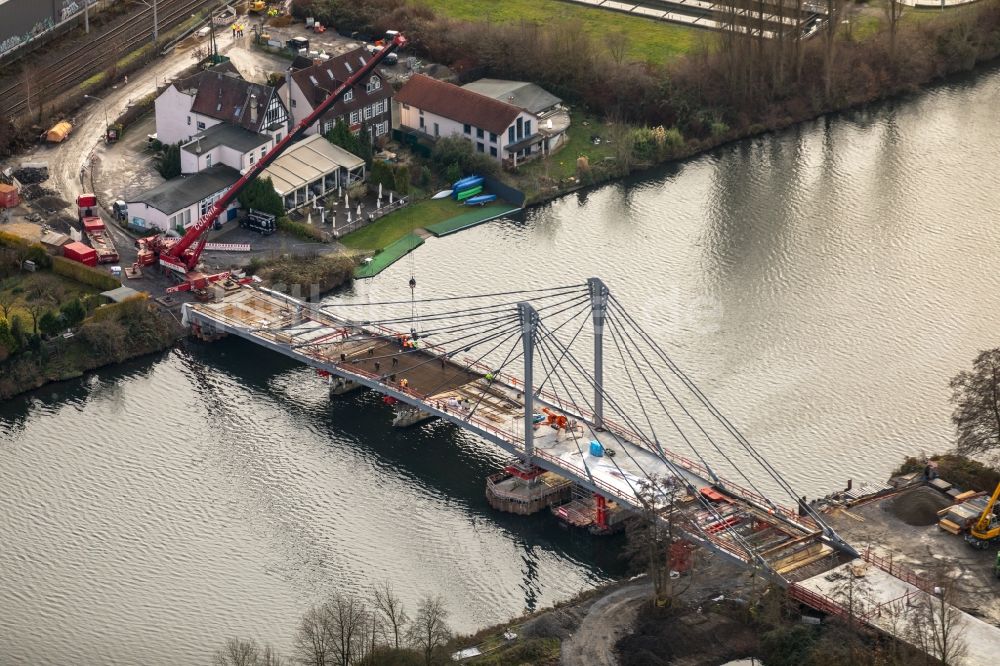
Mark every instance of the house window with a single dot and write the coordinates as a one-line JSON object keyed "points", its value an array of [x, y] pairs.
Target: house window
{"points": [[293, 103], [368, 112], [437, 130], [277, 137], [479, 147], [381, 128], [208, 160], [251, 158], [327, 126], [520, 128], [493, 137], [263, 151], [479, 133], [468, 128], [510, 134], [189, 120], [374, 84], [201, 125], [355, 117], [406, 106], [421, 122], [527, 128], [349, 95], [493, 151]]}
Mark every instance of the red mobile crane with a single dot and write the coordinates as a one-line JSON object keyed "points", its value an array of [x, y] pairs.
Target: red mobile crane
{"points": [[182, 254]]}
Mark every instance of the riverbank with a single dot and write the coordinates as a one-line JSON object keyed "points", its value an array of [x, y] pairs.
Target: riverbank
{"points": [[710, 97]]}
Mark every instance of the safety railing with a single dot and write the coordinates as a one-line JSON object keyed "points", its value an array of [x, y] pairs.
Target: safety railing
{"points": [[898, 571]]}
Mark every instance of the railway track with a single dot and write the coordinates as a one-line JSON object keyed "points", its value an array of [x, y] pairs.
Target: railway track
{"points": [[58, 74]]}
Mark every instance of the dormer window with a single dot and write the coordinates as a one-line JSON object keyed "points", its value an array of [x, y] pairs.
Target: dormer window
{"points": [[349, 95], [374, 84]]}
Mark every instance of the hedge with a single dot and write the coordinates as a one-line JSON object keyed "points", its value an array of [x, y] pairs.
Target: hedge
{"points": [[12, 240], [303, 231], [116, 311], [85, 274]]}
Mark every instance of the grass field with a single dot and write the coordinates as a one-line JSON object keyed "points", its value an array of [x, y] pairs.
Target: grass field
{"points": [[649, 40], [396, 225], [17, 288]]}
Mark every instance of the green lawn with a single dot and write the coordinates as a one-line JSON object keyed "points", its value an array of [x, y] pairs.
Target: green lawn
{"points": [[396, 225], [563, 163], [649, 39]]}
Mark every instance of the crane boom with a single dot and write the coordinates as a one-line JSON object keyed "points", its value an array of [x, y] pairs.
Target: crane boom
{"points": [[180, 256], [984, 529]]}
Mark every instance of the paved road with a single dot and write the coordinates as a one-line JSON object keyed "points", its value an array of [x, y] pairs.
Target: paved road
{"points": [[593, 644]]}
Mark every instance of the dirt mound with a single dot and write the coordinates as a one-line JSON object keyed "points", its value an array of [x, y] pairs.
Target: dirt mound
{"points": [[32, 192], [919, 506], [49, 203]]}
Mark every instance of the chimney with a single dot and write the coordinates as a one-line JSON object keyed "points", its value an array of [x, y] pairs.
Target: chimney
{"points": [[288, 98], [253, 109]]}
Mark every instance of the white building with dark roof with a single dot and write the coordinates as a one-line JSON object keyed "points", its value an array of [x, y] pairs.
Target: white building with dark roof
{"points": [[233, 146], [179, 202], [218, 96]]}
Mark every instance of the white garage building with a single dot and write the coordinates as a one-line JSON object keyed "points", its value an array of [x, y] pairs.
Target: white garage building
{"points": [[178, 203]]}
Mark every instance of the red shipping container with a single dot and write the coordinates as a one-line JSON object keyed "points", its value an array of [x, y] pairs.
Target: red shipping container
{"points": [[8, 196], [79, 252], [92, 224], [86, 201]]}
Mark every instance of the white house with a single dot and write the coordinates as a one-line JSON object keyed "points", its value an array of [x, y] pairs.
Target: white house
{"points": [[218, 95], [178, 203], [500, 129], [553, 117], [368, 104], [233, 146]]}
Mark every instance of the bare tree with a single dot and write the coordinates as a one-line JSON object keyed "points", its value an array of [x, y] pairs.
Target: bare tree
{"points": [[390, 608], [239, 652], [936, 628], [653, 537], [976, 396], [617, 43], [7, 300], [429, 630], [893, 12], [314, 640], [347, 622]]}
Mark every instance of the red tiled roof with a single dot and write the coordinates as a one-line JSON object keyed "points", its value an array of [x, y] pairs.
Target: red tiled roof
{"points": [[455, 103], [319, 80]]}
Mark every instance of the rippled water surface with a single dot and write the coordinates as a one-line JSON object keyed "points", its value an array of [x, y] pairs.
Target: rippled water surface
{"points": [[823, 284]]}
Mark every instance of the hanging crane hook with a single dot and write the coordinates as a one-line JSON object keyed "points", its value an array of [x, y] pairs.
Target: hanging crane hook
{"points": [[413, 307]]}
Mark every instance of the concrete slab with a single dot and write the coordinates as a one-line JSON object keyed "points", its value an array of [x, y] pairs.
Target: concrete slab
{"points": [[893, 605]]}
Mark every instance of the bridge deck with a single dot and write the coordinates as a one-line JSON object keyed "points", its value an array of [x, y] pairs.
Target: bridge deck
{"points": [[737, 523]]}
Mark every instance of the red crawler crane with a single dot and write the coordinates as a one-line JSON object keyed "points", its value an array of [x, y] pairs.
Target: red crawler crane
{"points": [[182, 254]]}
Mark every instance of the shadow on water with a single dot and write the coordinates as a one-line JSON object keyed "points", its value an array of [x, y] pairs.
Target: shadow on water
{"points": [[16, 411], [436, 455]]}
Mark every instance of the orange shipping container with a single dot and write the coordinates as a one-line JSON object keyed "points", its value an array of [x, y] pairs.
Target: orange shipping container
{"points": [[8, 196]]}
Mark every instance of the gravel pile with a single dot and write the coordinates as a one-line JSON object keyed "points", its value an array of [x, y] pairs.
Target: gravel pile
{"points": [[31, 175], [919, 506]]}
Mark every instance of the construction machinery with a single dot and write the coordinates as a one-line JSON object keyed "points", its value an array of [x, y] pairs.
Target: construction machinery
{"points": [[181, 255], [985, 532]]}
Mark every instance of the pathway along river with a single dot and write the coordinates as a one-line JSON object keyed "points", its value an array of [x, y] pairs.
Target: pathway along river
{"points": [[823, 284]]}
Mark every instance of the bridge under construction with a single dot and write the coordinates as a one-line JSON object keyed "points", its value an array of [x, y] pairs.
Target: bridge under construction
{"points": [[567, 382]]}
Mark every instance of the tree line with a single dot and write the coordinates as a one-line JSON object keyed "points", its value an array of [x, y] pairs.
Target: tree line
{"points": [[347, 630]]}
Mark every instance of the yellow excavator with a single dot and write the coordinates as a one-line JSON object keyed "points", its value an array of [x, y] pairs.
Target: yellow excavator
{"points": [[985, 532], [256, 6]]}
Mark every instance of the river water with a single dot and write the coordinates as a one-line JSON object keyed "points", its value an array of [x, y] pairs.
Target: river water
{"points": [[823, 284]]}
